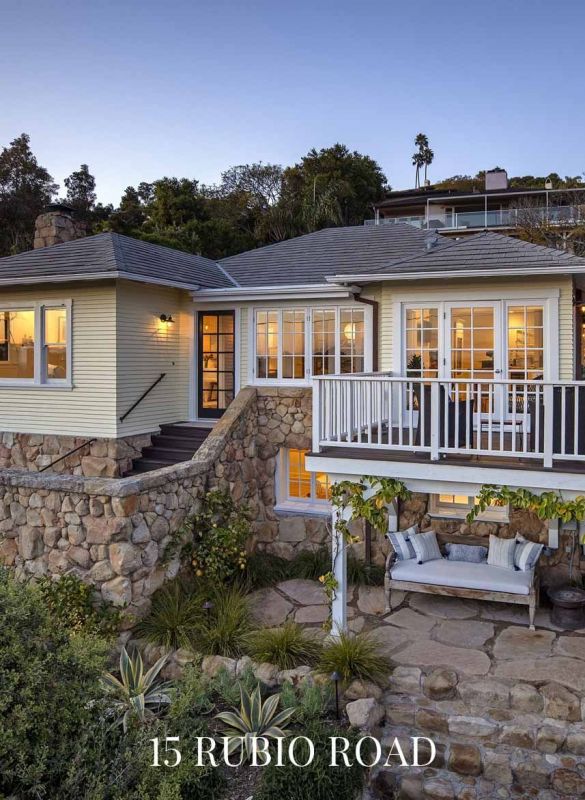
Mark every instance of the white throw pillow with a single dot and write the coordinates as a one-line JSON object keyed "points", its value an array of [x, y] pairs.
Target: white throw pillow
{"points": [[426, 547], [501, 552], [527, 553]]}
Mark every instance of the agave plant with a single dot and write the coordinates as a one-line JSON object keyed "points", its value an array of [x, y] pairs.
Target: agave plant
{"points": [[254, 719], [135, 693]]}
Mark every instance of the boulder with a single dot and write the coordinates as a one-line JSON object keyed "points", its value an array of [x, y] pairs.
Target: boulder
{"points": [[30, 543], [212, 665], [118, 591], [365, 714], [124, 557]]}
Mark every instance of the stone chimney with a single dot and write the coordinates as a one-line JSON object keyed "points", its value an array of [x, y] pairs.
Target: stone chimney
{"points": [[57, 224]]}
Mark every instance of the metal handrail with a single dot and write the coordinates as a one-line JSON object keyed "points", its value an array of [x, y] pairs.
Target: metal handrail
{"points": [[142, 396], [69, 453]]}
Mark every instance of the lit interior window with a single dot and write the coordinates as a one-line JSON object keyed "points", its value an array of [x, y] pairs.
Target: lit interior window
{"points": [[303, 485]]}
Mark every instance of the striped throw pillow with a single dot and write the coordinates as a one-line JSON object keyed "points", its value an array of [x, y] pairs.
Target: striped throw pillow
{"points": [[501, 552], [400, 542], [472, 554], [426, 547], [526, 554]]}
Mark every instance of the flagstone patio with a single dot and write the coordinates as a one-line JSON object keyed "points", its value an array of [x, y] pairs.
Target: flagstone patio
{"points": [[428, 631], [505, 706]]}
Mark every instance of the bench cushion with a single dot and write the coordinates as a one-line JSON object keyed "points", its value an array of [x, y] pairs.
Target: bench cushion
{"points": [[463, 575]]}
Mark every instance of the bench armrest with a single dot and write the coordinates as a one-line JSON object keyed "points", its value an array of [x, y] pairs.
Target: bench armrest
{"points": [[390, 561]]}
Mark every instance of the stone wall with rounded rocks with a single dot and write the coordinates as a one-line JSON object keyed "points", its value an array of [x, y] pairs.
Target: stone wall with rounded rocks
{"points": [[113, 532], [109, 458]]}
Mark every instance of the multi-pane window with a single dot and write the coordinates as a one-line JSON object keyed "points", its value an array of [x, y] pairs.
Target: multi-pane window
{"points": [[17, 344], [294, 343], [34, 344], [267, 336], [324, 341], [301, 485], [472, 342], [525, 342], [351, 340], [459, 505], [54, 344], [422, 342]]}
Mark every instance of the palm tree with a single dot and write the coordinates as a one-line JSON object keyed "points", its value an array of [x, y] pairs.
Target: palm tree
{"points": [[428, 157], [418, 158]]}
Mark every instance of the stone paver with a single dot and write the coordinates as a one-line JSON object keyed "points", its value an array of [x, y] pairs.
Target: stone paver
{"points": [[409, 619], [390, 638], [573, 646], [310, 615], [444, 607], [304, 592], [560, 669], [371, 600], [269, 608], [504, 612], [520, 642], [434, 654], [464, 633]]}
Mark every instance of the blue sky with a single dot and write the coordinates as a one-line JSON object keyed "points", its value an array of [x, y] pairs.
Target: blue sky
{"points": [[139, 90]]}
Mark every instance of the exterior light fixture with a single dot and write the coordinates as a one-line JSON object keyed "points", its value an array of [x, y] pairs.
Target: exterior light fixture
{"points": [[167, 318], [349, 331], [336, 677], [207, 606]]}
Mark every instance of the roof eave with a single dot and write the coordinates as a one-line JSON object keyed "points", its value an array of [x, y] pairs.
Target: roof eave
{"points": [[31, 280], [275, 292], [455, 273]]}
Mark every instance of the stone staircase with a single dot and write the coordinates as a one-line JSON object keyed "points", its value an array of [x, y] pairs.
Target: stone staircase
{"points": [[174, 444]]}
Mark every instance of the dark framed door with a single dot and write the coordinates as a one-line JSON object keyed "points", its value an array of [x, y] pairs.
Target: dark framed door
{"points": [[216, 362]]}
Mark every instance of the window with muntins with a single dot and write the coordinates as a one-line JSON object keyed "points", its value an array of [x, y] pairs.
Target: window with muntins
{"points": [[458, 506], [34, 344], [298, 487], [292, 344]]}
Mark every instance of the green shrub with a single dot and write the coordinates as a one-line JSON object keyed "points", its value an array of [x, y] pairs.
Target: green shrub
{"points": [[217, 538], [310, 701], [49, 692], [311, 564], [72, 603], [175, 611], [361, 574], [226, 690], [318, 780], [223, 630], [265, 569], [354, 656], [288, 646]]}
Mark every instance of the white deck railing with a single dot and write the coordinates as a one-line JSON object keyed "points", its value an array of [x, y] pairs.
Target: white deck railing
{"points": [[516, 419]]}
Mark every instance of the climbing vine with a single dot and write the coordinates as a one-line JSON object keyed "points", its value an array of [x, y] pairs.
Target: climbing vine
{"points": [[548, 505], [350, 496]]}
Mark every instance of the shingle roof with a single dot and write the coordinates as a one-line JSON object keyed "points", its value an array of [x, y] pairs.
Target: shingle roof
{"points": [[332, 251], [486, 251], [111, 253]]}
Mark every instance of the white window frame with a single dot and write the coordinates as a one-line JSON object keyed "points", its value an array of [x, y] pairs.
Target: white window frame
{"points": [[308, 311], [440, 510], [285, 503], [38, 379], [432, 298]]}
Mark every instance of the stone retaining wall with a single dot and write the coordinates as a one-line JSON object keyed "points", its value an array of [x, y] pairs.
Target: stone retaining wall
{"points": [[113, 533], [495, 738], [103, 457]]}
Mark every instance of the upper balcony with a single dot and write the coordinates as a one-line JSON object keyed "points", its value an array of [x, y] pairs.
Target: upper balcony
{"points": [[498, 218], [530, 424]]}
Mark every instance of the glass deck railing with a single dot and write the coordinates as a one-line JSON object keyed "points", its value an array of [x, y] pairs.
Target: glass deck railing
{"points": [[502, 218]]}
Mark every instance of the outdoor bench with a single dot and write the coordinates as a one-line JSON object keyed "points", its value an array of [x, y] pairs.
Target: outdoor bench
{"points": [[463, 579]]}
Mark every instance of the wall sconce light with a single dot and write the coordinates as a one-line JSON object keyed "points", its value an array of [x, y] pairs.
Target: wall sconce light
{"points": [[167, 318], [349, 331]]}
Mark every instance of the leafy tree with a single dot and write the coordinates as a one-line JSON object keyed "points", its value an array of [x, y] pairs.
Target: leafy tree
{"points": [[261, 183], [25, 188], [81, 194], [332, 186]]}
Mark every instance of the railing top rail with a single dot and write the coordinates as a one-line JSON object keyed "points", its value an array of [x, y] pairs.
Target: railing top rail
{"points": [[404, 379]]}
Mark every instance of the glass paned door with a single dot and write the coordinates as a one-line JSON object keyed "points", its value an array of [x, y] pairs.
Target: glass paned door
{"points": [[473, 349], [216, 362]]}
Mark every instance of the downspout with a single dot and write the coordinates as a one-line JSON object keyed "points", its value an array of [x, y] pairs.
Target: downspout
{"points": [[375, 315]]}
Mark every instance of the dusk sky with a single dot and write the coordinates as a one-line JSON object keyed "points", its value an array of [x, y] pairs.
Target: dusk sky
{"points": [[139, 90]]}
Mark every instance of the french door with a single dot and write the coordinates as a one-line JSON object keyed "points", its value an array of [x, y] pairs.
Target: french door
{"points": [[216, 362]]}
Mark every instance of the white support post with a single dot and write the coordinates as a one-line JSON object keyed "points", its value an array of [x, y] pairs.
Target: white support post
{"points": [[435, 420], [548, 400], [553, 533], [339, 569], [316, 416], [393, 517]]}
